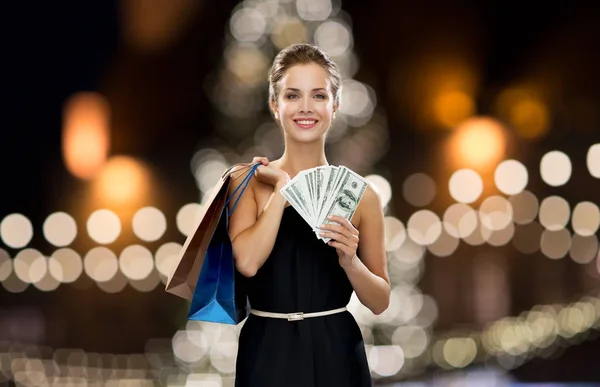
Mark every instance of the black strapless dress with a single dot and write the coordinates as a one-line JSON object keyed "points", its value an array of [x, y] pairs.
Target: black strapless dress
{"points": [[302, 274]]}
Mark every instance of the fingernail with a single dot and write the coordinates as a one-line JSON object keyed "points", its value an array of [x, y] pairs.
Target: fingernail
{"points": [[330, 217]]}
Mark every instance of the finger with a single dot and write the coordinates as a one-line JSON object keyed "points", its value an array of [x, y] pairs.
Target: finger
{"points": [[343, 222], [337, 228], [262, 160], [340, 246], [339, 238]]}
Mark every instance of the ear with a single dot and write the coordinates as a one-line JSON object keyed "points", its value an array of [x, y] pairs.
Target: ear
{"points": [[335, 109], [274, 109]]}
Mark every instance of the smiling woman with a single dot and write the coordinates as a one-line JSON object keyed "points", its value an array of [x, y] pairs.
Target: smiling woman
{"points": [[299, 332]]}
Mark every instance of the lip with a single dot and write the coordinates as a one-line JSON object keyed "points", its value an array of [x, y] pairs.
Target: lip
{"points": [[306, 127]]}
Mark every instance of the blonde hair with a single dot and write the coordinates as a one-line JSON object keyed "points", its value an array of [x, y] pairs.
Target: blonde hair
{"points": [[302, 53]]}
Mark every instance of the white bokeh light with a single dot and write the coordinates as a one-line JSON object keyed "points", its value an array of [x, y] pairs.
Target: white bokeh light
{"points": [[101, 264], [136, 262], [16, 231], [554, 213], [465, 186], [555, 168], [382, 187], [6, 265], [424, 227], [314, 10], [511, 177], [395, 233], [104, 226], [60, 229], [149, 224], [248, 24], [586, 218], [386, 360], [166, 258], [65, 265], [30, 265], [460, 220], [495, 213], [334, 37], [187, 218], [593, 160]]}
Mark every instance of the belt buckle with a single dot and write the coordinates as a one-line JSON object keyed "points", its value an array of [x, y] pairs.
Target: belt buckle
{"points": [[295, 316]]}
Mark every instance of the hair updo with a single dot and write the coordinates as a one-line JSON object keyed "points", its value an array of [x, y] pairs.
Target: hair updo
{"points": [[303, 53]]}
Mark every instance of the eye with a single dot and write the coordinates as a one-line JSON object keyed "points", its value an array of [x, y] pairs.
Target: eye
{"points": [[292, 96], [320, 96]]}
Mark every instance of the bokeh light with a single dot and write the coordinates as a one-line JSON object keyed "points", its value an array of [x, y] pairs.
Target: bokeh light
{"points": [[511, 177], [65, 265], [586, 218], [334, 37], [555, 168], [593, 160], [136, 262], [419, 189], [478, 143], [555, 244], [424, 227], [465, 186], [187, 218], [526, 111], [382, 187], [460, 220], [103, 226], [525, 207], [395, 233], [6, 265], [101, 264], [60, 229], [314, 10], [30, 265], [554, 213], [495, 213], [166, 258], [123, 180], [16, 231], [86, 134], [149, 224]]}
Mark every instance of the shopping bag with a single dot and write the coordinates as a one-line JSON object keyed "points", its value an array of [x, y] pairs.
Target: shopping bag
{"points": [[197, 265], [219, 295]]}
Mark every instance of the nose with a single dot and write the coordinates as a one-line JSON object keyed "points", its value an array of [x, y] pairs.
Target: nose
{"points": [[305, 106]]}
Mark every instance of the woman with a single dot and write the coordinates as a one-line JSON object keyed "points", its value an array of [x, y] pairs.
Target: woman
{"points": [[288, 269]]}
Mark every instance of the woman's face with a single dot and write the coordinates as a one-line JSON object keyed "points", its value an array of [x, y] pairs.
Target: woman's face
{"points": [[305, 104]]}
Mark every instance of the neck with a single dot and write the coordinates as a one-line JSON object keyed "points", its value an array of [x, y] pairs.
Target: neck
{"points": [[298, 157]]}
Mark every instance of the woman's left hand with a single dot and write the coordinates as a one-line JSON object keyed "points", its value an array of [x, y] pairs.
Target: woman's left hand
{"points": [[344, 237]]}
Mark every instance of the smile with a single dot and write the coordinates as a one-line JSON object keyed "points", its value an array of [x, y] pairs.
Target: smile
{"points": [[306, 124]]}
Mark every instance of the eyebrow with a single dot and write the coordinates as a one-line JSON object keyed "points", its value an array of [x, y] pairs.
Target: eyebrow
{"points": [[315, 89]]}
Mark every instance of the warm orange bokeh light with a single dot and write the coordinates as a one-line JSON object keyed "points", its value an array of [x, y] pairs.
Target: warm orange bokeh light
{"points": [[451, 107], [525, 110], [478, 143], [86, 137], [154, 25], [122, 181]]}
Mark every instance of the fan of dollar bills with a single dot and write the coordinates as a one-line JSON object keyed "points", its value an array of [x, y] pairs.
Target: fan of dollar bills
{"points": [[319, 192]]}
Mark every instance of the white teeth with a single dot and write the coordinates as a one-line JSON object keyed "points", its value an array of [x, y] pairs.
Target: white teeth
{"points": [[304, 122]]}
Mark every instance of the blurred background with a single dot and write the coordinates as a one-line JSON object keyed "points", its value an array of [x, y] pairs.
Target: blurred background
{"points": [[477, 122]]}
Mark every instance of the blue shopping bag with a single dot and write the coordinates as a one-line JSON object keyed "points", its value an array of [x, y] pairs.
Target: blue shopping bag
{"points": [[219, 295]]}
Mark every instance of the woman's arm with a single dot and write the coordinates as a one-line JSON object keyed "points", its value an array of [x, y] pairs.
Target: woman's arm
{"points": [[253, 238], [367, 274]]}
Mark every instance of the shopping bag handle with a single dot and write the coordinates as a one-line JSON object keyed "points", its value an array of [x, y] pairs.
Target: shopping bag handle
{"points": [[243, 186]]}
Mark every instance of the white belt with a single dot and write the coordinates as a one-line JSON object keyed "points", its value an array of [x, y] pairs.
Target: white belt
{"points": [[296, 316]]}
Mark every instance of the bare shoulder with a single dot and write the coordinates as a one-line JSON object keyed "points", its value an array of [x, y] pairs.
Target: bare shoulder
{"points": [[369, 206]]}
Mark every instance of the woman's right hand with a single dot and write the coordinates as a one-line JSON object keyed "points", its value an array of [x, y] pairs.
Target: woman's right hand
{"points": [[270, 175]]}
